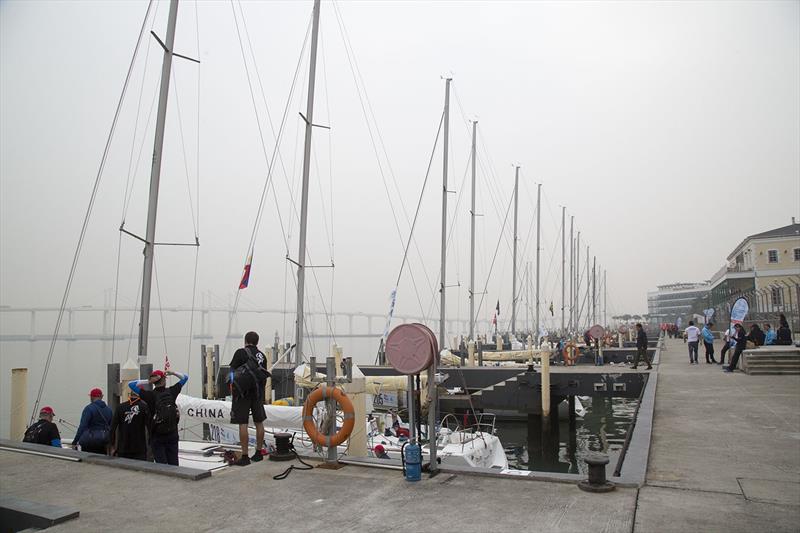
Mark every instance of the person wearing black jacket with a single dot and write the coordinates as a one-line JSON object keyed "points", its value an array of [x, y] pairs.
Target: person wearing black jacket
{"points": [[162, 403], [641, 347], [756, 336], [741, 343], [784, 333], [129, 429]]}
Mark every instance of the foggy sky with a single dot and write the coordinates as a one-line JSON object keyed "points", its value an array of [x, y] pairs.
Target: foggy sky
{"points": [[669, 130]]}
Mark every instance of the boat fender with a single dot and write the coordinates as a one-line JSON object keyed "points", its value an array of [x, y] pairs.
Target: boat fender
{"points": [[570, 353]]}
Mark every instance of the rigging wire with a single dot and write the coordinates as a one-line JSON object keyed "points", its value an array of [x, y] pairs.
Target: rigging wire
{"points": [[364, 109], [270, 162], [87, 217]]}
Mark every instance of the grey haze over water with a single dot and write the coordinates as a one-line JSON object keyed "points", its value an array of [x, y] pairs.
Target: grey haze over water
{"points": [[670, 130]]}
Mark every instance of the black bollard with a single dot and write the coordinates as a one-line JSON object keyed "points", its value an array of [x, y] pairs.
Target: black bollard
{"points": [[597, 474]]}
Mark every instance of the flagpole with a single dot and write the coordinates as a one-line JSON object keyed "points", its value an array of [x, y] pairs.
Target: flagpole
{"points": [[538, 247]]}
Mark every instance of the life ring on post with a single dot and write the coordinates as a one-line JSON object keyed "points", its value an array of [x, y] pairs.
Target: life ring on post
{"points": [[570, 353], [322, 393]]}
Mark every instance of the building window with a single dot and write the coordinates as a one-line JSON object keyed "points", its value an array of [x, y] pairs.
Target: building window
{"points": [[772, 256], [797, 254], [777, 296]]}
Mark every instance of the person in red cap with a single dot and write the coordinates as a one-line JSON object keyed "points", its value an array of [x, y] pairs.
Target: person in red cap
{"points": [[44, 431], [380, 452], [94, 430], [162, 404]]}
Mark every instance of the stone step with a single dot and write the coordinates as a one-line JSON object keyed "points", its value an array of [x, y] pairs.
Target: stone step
{"points": [[760, 372]]}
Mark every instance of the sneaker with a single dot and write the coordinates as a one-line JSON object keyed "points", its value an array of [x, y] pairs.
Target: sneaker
{"points": [[243, 461], [259, 455], [727, 371], [649, 368], [633, 368]]}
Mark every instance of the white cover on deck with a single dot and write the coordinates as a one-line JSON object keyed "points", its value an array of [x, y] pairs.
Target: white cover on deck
{"points": [[219, 412]]}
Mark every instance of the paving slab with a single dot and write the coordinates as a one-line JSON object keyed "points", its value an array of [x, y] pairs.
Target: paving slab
{"points": [[771, 491], [350, 499], [665, 510]]}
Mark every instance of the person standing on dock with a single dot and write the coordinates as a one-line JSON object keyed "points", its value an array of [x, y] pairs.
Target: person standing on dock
{"points": [[44, 431], [129, 429], [641, 348], [727, 346], [692, 336], [740, 337], [708, 342], [161, 401], [247, 378], [93, 431]]}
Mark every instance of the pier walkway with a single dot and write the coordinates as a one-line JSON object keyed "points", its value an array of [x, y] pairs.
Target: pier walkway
{"points": [[725, 456]]}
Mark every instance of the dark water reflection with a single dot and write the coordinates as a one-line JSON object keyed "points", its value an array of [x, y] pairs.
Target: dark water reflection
{"points": [[559, 448]]}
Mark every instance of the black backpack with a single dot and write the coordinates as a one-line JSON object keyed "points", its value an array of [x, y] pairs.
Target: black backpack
{"points": [[165, 415], [248, 376], [32, 433]]}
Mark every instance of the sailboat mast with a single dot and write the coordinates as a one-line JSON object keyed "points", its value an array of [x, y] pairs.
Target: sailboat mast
{"points": [[301, 255], [432, 391], [594, 290], [538, 247], [563, 261], [514, 262], [155, 177], [578, 283], [571, 273], [472, 240], [605, 299]]}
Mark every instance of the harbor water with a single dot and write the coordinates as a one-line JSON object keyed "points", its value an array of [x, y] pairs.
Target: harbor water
{"points": [[561, 448]]}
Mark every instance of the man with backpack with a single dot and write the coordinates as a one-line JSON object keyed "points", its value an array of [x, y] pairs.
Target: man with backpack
{"points": [[93, 433], [44, 431], [247, 380], [161, 402]]}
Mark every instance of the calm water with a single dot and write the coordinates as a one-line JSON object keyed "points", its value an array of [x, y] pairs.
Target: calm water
{"points": [[602, 429]]}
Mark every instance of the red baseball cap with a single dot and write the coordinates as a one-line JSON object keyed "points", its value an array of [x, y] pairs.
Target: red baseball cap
{"points": [[96, 393], [158, 373], [379, 448], [46, 410]]}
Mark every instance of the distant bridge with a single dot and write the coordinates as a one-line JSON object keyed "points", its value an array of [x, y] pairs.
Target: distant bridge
{"points": [[79, 324]]}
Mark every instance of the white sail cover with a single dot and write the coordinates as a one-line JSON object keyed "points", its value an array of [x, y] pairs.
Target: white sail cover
{"points": [[219, 412]]}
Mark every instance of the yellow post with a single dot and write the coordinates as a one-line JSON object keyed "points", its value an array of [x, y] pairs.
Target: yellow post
{"points": [[211, 379], [499, 341], [19, 402], [471, 353], [357, 393], [545, 356], [336, 353]]}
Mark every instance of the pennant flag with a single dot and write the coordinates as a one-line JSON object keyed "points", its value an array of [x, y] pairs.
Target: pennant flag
{"points": [[246, 275], [166, 363], [494, 319], [498, 308], [551, 308]]}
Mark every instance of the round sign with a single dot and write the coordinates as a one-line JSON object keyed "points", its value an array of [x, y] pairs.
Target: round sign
{"points": [[410, 348], [597, 331], [622, 328]]}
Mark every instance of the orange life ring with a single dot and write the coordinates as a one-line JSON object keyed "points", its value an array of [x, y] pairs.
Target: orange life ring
{"points": [[570, 353], [322, 393]]}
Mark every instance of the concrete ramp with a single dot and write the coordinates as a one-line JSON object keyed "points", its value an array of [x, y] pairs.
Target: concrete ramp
{"points": [[17, 514]]}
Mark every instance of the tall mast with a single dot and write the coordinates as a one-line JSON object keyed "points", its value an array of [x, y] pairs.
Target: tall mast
{"points": [[538, 242], [594, 290], [155, 177], [578, 283], [527, 295], [432, 391], [514, 261], [571, 273], [301, 255], [605, 298], [563, 260], [588, 288], [472, 240]]}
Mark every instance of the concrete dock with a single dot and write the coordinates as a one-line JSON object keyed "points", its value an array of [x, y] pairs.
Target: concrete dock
{"points": [[725, 456]]}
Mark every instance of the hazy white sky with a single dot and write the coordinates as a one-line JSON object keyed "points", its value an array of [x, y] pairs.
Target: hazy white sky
{"points": [[670, 130]]}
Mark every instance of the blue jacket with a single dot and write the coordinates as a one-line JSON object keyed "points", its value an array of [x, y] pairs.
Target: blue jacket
{"points": [[96, 415], [707, 335], [771, 337]]}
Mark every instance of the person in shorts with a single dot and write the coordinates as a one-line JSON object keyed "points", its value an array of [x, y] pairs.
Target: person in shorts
{"points": [[247, 402]]}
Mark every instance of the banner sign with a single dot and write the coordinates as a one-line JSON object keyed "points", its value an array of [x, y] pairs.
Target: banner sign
{"points": [[739, 311], [709, 314]]}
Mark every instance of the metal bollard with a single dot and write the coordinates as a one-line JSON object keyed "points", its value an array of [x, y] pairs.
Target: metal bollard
{"points": [[597, 474]]}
